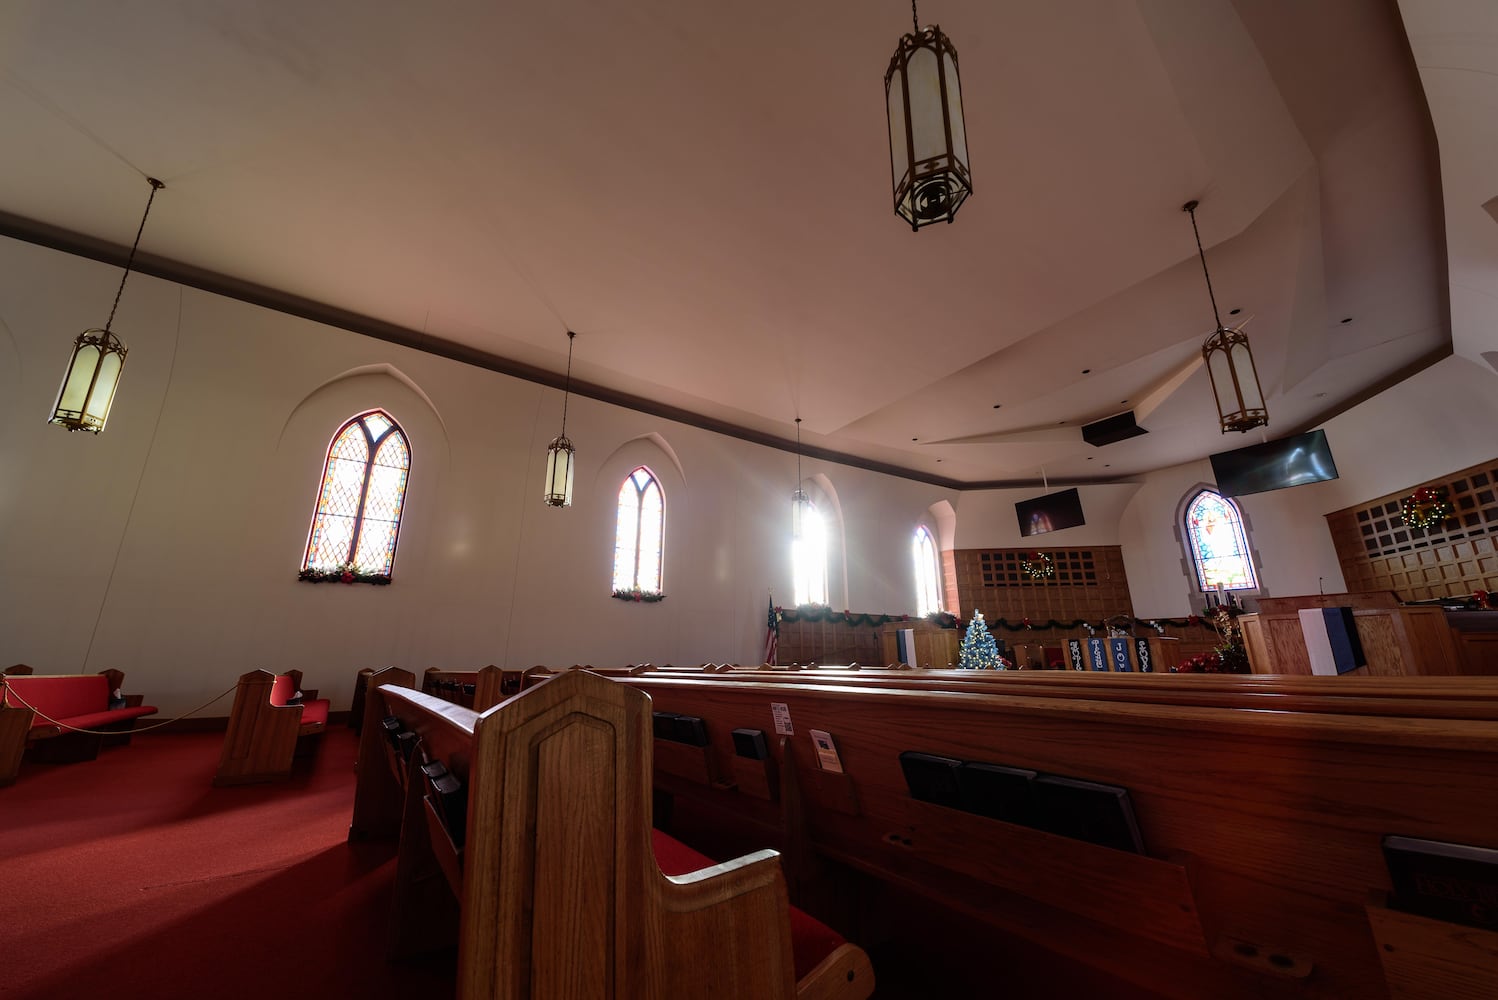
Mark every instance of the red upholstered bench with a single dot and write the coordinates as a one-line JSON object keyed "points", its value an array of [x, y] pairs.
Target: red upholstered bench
{"points": [[812, 941], [48, 710]]}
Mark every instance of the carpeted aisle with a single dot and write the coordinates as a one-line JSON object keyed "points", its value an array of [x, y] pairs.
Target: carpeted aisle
{"points": [[131, 876]]}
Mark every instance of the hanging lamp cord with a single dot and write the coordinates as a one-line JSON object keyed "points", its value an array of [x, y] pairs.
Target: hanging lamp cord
{"points": [[129, 263], [567, 390], [1191, 208], [798, 453], [914, 20]]}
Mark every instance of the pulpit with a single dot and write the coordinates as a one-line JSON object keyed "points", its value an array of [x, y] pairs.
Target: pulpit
{"points": [[1397, 640], [935, 647]]}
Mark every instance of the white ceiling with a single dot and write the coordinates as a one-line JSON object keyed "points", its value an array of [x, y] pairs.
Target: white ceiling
{"points": [[701, 190]]}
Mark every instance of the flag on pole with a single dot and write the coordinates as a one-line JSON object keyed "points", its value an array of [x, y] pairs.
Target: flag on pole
{"points": [[772, 634]]}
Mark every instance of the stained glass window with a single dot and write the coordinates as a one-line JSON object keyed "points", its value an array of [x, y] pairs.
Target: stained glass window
{"points": [[1219, 546], [927, 573], [359, 504], [638, 533], [809, 557]]}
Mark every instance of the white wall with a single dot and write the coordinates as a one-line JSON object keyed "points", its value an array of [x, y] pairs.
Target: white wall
{"points": [[168, 546]]}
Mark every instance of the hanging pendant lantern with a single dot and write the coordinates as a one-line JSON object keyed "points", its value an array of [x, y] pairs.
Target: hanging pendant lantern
{"points": [[799, 500], [93, 372], [1230, 362], [561, 457], [927, 138]]}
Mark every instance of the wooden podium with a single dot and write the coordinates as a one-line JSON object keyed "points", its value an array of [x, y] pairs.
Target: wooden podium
{"points": [[1397, 641], [935, 647]]}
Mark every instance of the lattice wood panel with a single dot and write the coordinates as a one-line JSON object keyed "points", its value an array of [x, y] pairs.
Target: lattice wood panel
{"points": [[1378, 551], [1089, 583]]}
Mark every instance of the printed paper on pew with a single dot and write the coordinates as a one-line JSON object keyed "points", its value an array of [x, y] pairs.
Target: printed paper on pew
{"points": [[782, 718]]}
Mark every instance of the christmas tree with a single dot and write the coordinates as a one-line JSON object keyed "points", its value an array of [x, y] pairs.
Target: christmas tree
{"points": [[979, 651]]}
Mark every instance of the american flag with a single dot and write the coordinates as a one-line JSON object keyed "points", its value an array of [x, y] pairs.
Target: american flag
{"points": [[772, 634]]}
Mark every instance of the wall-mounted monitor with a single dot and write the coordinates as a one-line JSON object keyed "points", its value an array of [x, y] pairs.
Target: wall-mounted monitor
{"points": [[1274, 465], [1051, 512]]}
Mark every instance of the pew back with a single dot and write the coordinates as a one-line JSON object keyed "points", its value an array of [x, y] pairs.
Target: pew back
{"points": [[1262, 828]]}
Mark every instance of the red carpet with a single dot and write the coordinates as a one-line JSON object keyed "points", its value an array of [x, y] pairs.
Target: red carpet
{"points": [[131, 876]]}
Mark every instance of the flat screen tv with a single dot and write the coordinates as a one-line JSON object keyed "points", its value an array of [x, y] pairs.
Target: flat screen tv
{"points": [[1051, 512], [1274, 465]]}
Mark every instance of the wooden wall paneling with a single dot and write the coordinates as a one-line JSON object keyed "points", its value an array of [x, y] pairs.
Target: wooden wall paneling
{"points": [[1379, 552]]}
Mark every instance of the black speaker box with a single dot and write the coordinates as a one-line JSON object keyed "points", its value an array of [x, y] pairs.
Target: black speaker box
{"points": [[1111, 429]]}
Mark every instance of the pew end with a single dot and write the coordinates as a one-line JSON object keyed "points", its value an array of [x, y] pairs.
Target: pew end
{"points": [[563, 774], [263, 731]]}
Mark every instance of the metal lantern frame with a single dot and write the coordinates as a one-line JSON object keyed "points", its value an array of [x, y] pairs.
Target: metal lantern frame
{"points": [[1230, 361], [561, 456], [931, 180], [1229, 351], [93, 373], [89, 385]]}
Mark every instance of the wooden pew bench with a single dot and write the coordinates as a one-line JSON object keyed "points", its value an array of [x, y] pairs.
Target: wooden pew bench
{"points": [[265, 726], [47, 711], [1261, 821], [563, 887]]}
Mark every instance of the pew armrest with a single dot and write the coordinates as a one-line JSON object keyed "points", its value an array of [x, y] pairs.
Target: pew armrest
{"points": [[843, 975]]}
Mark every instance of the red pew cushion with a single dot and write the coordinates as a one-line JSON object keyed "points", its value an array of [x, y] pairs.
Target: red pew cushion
{"points": [[315, 711], [61, 696], [811, 940], [95, 720]]}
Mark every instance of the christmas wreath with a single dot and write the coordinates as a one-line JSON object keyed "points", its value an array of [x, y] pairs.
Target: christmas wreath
{"points": [[1037, 566], [1425, 508]]}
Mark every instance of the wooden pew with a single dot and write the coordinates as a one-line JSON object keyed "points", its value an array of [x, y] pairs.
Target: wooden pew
{"points": [[263, 730], [1431, 697], [1262, 828], [559, 888]]}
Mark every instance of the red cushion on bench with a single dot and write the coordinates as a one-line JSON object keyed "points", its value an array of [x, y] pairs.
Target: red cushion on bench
{"points": [[315, 711], [811, 940], [61, 696], [97, 720]]}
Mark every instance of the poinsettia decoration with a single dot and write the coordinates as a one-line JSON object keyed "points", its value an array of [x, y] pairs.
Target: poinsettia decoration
{"points": [[1425, 508]]}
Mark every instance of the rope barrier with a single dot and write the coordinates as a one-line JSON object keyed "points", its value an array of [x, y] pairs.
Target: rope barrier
{"points": [[10, 692]]}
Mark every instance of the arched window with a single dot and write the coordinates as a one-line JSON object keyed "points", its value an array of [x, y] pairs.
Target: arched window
{"points": [[927, 573], [638, 533], [1218, 543], [359, 505], [809, 557]]}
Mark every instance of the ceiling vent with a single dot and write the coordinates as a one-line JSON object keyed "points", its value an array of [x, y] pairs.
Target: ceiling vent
{"points": [[1111, 429]]}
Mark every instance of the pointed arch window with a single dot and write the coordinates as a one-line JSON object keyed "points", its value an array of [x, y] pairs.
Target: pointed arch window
{"points": [[1218, 543], [809, 556], [927, 573], [639, 533], [359, 504]]}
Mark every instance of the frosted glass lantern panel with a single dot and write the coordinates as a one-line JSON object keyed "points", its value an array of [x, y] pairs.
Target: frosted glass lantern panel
{"points": [[927, 127], [954, 105], [1248, 382]]}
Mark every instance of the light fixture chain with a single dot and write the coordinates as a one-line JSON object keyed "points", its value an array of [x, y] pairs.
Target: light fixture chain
{"points": [[567, 390], [1203, 255], [798, 453], [914, 20], [130, 262]]}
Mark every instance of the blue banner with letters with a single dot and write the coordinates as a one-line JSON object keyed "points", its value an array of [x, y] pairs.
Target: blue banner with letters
{"points": [[1097, 654], [1118, 650]]}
